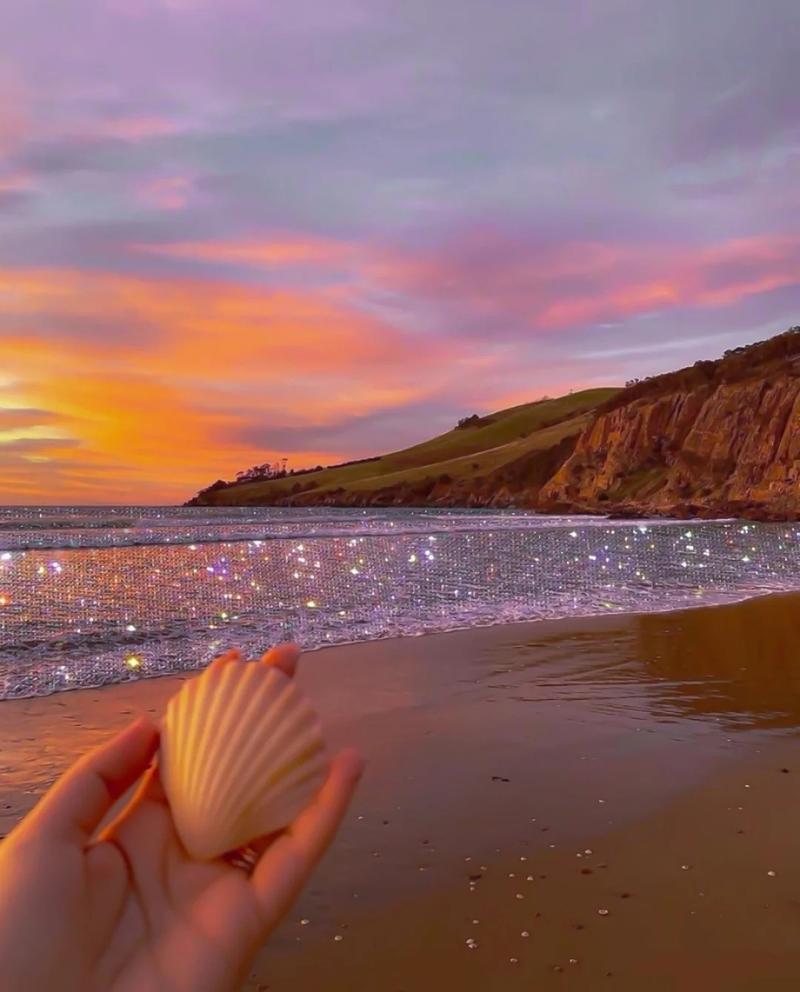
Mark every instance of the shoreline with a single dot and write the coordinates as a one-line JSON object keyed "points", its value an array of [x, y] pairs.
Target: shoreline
{"points": [[509, 751], [679, 513], [727, 599]]}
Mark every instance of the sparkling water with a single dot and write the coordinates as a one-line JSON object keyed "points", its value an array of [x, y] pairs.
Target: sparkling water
{"points": [[90, 596]]}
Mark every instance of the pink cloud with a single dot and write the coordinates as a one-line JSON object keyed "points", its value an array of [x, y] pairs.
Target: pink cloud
{"points": [[14, 116], [277, 249], [138, 127], [569, 285], [15, 182], [167, 192]]}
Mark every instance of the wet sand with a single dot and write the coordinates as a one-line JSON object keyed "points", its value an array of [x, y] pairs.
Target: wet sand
{"points": [[614, 800]]}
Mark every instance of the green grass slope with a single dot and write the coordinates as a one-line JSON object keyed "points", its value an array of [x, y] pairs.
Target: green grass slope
{"points": [[462, 453]]}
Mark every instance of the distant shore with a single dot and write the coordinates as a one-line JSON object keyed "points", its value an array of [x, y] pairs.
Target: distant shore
{"points": [[599, 802], [756, 512]]}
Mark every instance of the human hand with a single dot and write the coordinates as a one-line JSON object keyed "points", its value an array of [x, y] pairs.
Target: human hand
{"points": [[129, 910]]}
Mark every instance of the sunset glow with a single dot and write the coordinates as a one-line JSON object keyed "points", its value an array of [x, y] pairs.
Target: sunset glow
{"points": [[240, 258]]}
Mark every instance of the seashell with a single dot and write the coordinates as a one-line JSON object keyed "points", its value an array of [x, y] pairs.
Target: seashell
{"points": [[241, 755]]}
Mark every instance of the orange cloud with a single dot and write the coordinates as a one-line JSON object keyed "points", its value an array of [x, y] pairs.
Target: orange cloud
{"points": [[278, 250], [126, 388], [153, 403]]}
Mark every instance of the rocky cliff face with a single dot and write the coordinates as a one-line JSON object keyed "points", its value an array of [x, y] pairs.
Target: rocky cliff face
{"points": [[716, 439]]}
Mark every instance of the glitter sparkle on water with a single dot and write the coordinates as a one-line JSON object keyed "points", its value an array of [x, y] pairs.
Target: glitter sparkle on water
{"points": [[95, 596]]}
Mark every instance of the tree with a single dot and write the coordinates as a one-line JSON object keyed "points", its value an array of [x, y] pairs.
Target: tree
{"points": [[472, 421]]}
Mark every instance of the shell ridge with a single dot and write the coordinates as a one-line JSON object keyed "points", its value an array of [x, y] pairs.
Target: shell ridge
{"points": [[306, 760], [211, 679], [174, 764], [221, 745], [270, 769], [313, 760], [212, 691], [257, 755], [303, 721], [288, 702], [239, 770], [193, 690], [294, 741], [280, 810]]}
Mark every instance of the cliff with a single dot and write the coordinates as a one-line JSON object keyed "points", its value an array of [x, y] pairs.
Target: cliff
{"points": [[720, 438]]}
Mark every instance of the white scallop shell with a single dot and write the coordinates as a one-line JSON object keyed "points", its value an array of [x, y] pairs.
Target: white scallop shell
{"points": [[241, 755]]}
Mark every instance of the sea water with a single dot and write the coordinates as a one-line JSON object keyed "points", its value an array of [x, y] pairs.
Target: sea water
{"points": [[94, 595]]}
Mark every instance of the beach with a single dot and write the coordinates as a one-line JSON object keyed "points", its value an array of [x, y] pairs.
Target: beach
{"points": [[600, 802]]}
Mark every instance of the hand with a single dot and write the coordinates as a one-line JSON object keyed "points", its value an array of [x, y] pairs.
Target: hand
{"points": [[129, 910]]}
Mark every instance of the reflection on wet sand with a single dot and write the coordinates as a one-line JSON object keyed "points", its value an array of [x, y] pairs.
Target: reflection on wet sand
{"points": [[737, 662]]}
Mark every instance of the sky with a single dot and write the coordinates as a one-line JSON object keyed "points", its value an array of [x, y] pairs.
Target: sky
{"points": [[234, 230]]}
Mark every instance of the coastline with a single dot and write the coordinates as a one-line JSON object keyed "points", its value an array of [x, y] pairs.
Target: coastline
{"points": [[686, 512], [756, 512], [509, 751]]}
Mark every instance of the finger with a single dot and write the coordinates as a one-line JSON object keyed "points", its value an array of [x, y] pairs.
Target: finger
{"points": [[283, 656], [314, 828], [283, 869], [149, 789], [77, 803], [232, 654]]}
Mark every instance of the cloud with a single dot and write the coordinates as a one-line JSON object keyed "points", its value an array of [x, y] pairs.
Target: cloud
{"points": [[333, 226], [139, 127], [277, 250], [14, 449], [399, 424], [167, 192], [490, 281], [11, 418], [170, 411]]}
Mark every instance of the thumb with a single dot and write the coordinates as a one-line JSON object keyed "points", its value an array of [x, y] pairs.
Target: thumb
{"points": [[77, 803]]}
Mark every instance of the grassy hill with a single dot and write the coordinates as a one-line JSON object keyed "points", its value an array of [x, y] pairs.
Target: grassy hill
{"points": [[476, 453]]}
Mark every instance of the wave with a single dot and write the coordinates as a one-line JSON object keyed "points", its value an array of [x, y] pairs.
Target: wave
{"points": [[186, 526], [105, 613]]}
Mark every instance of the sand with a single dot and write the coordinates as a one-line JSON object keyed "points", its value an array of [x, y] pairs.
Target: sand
{"points": [[601, 803]]}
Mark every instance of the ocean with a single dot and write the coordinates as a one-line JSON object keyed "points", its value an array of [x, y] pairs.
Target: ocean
{"points": [[94, 595]]}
